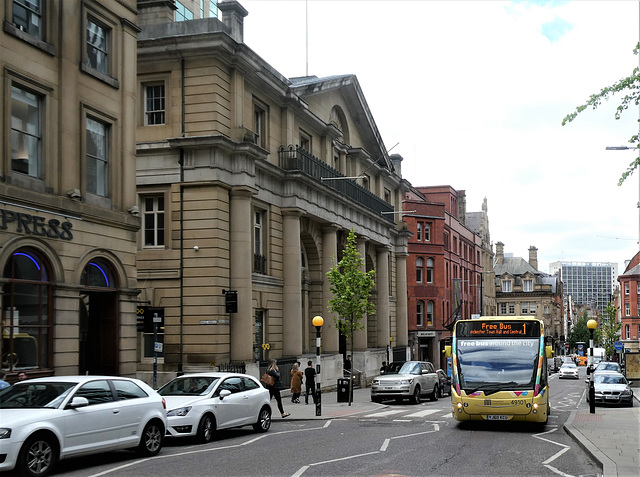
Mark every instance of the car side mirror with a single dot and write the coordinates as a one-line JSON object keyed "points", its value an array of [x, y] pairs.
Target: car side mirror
{"points": [[630, 383], [77, 402], [224, 393]]}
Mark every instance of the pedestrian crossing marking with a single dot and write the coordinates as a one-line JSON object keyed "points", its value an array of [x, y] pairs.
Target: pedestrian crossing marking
{"points": [[385, 413], [424, 413]]}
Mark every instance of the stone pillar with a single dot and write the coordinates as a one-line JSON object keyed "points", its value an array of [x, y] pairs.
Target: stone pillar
{"points": [[241, 258], [402, 320], [360, 336], [382, 306], [291, 290], [329, 259]]}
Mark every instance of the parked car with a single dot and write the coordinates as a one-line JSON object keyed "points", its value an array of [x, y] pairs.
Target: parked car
{"points": [[444, 381], [568, 370], [610, 388], [199, 404], [608, 366], [44, 420], [393, 367], [414, 380]]}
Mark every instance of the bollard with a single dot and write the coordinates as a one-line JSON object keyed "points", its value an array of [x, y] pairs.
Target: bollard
{"points": [[592, 397]]}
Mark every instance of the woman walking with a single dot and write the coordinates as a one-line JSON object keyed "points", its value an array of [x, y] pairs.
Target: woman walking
{"points": [[296, 384], [274, 390]]}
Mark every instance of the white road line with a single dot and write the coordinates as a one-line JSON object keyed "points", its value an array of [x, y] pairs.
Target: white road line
{"points": [[385, 413], [424, 413]]}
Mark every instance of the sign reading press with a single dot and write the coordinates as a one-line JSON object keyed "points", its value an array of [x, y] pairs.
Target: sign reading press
{"points": [[35, 225]]}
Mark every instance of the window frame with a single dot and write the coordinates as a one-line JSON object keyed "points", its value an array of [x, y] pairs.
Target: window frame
{"points": [[102, 182], [427, 232], [419, 231], [527, 285], [155, 213], [260, 123], [430, 309], [259, 241], [420, 308], [506, 286], [419, 270], [430, 268], [39, 136], [181, 8], [39, 35], [305, 140], [153, 112], [109, 23]]}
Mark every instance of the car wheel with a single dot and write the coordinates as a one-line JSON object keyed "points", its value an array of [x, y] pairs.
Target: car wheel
{"points": [[38, 456], [206, 427], [415, 399], [264, 420], [151, 440], [434, 394]]}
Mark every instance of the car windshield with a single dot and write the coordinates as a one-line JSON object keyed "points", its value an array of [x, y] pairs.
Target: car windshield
{"points": [[410, 368], [608, 366], [609, 379], [189, 386], [34, 395], [568, 366], [490, 362], [394, 367]]}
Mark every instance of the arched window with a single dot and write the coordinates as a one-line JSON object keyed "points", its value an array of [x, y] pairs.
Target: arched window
{"points": [[430, 313], [420, 313], [97, 273], [419, 269], [27, 316], [429, 270]]}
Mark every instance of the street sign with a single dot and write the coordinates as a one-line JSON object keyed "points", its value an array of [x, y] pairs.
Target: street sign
{"points": [[618, 345]]}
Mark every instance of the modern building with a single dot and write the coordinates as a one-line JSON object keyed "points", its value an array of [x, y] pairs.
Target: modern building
{"points": [[629, 300], [523, 290], [248, 185], [69, 225], [444, 268], [590, 284]]}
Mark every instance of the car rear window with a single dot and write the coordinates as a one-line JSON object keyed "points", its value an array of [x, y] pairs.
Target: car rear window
{"points": [[128, 390]]}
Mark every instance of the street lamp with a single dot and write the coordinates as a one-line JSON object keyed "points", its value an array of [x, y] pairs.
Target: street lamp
{"points": [[591, 324], [624, 148], [318, 321]]}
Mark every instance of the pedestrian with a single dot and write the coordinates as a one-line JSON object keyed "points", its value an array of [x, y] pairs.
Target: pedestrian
{"points": [[347, 365], [296, 384], [383, 368], [22, 376], [310, 382], [3, 383], [274, 390]]}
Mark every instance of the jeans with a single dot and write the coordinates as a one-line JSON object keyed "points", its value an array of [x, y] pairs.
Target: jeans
{"points": [[310, 388]]}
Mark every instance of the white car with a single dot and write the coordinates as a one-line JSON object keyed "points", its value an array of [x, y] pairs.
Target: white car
{"points": [[199, 404], [44, 420], [568, 370], [413, 380]]}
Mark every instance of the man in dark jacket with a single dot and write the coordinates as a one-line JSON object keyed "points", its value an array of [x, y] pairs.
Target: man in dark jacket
{"points": [[310, 382]]}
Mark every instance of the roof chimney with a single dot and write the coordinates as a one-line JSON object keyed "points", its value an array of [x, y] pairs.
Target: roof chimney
{"points": [[533, 257], [499, 253], [233, 17]]}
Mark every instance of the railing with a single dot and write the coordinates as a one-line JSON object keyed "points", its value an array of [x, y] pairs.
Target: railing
{"points": [[294, 158], [232, 367]]}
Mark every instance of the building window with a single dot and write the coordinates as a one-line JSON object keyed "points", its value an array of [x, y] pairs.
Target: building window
{"points": [[430, 270], [213, 9], [419, 269], [366, 181], [420, 313], [512, 308], [524, 308], [627, 332], [626, 288], [27, 16], [532, 308], [305, 141], [26, 132], [97, 46], [427, 232], [387, 195], [260, 124], [153, 221], [638, 289], [154, 104], [506, 286], [259, 256], [97, 157], [627, 309], [503, 308], [419, 231], [183, 13], [527, 285], [430, 313]]}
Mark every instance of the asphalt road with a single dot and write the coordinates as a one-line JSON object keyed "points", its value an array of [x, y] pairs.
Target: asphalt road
{"points": [[402, 439]]}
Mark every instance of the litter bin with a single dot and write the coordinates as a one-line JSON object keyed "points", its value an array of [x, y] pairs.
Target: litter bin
{"points": [[343, 390]]}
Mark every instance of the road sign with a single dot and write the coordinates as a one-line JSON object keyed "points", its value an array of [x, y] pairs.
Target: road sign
{"points": [[618, 345]]}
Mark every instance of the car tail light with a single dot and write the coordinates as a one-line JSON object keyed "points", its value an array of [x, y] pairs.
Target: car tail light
{"points": [[164, 403]]}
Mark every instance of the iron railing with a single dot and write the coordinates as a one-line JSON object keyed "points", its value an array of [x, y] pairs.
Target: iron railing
{"points": [[294, 158]]}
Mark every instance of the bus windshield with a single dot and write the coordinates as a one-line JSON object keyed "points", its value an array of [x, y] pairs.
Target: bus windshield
{"points": [[493, 364]]}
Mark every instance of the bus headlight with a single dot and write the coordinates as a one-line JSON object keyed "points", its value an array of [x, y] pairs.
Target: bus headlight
{"points": [[535, 406], [459, 405]]}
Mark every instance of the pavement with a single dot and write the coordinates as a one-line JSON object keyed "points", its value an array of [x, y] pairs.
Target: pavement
{"points": [[611, 435]]}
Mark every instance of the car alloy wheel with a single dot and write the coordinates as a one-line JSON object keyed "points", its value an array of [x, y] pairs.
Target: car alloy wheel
{"points": [[416, 395], [434, 394], [38, 456], [264, 420], [205, 429], [151, 440]]}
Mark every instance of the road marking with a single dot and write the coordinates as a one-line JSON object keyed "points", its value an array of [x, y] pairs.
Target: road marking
{"points": [[564, 449], [424, 413], [385, 413]]}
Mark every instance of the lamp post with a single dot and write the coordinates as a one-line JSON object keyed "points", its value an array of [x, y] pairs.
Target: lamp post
{"points": [[318, 321], [591, 324], [624, 148]]}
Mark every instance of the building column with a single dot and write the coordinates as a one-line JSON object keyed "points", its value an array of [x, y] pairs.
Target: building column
{"points": [[382, 306], [241, 258], [360, 336], [292, 277], [329, 259], [402, 319]]}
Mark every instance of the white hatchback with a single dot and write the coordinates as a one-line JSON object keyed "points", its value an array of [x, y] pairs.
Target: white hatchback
{"points": [[199, 404], [48, 419]]}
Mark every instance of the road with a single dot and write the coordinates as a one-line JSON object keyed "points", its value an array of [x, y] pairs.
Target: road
{"points": [[401, 439]]}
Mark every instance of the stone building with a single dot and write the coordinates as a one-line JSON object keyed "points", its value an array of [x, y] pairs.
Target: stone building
{"points": [[68, 231], [523, 290], [629, 300], [248, 184]]}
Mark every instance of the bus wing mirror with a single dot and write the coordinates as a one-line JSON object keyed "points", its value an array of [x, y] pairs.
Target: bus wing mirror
{"points": [[549, 351], [447, 351]]}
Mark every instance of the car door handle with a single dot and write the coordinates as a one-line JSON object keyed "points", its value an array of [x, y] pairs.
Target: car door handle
{"points": [[116, 411], [246, 398]]}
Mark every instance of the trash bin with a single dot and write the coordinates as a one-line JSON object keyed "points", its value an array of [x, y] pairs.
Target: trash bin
{"points": [[343, 390]]}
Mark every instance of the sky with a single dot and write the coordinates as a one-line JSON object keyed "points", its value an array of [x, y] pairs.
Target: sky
{"points": [[472, 94]]}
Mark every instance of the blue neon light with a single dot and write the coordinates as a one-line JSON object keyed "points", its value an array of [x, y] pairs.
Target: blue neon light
{"points": [[35, 262], [101, 271]]}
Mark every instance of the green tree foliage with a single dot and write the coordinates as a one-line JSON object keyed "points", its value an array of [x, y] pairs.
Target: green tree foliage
{"points": [[630, 86], [351, 289], [610, 329]]}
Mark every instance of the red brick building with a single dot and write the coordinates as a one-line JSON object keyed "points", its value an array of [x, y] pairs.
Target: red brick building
{"points": [[443, 268], [629, 304]]}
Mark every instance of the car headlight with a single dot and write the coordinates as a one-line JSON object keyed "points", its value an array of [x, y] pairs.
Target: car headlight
{"points": [[627, 392], [376, 381], [406, 381], [5, 433], [181, 411]]}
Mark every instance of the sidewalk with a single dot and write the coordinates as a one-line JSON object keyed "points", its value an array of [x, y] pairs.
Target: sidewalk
{"points": [[611, 436]]}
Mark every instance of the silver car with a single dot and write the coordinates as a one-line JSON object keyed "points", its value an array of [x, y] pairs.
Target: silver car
{"points": [[414, 380], [610, 388], [568, 370]]}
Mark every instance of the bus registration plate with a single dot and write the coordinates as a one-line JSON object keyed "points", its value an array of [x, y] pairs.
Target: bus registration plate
{"points": [[497, 417]]}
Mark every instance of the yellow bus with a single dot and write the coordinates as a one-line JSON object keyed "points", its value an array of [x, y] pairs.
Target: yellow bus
{"points": [[499, 370]]}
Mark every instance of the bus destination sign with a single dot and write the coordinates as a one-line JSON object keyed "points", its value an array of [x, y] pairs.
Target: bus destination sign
{"points": [[497, 329]]}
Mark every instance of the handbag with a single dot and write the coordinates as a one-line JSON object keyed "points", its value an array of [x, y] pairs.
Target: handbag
{"points": [[267, 379]]}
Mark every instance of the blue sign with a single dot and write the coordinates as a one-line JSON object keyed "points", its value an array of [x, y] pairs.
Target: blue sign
{"points": [[618, 345]]}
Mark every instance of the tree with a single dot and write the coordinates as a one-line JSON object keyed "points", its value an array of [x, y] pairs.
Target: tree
{"points": [[630, 84], [610, 329], [351, 288], [579, 332]]}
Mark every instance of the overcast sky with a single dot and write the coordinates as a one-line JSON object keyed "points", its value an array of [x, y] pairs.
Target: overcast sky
{"points": [[474, 92]]}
